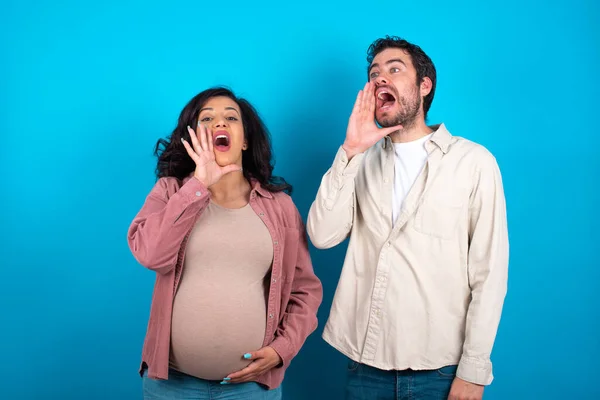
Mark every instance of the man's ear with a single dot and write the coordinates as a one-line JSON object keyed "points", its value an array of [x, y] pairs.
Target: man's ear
{"points": [[426, 86]]}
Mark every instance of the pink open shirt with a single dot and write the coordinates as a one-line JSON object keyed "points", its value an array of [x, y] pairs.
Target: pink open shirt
{"points": [[157, 238]]}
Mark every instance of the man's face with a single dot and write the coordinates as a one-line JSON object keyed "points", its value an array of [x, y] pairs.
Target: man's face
{"points": [[397, 93]]}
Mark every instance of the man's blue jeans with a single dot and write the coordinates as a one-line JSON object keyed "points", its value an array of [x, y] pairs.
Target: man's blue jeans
{"points": [[368, 383]]}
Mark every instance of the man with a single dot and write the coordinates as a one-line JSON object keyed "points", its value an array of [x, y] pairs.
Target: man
{"points": [[424, 280]]}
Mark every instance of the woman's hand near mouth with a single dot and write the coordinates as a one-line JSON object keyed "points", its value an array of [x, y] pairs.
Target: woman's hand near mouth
{"points": [[208, 172]]}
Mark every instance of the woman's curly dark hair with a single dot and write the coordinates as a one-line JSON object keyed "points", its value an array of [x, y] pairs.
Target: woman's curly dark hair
{"points": [[257, 159]]}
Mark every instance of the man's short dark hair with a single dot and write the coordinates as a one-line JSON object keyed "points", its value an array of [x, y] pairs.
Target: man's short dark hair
{"points": [[420, 60]]}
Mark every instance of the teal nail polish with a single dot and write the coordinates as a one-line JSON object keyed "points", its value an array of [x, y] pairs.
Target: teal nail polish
{"points": [[226, 379], [247, 356], [224, 383]]}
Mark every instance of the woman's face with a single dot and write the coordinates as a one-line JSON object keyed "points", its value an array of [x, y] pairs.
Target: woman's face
{"points": [[223, 118]]}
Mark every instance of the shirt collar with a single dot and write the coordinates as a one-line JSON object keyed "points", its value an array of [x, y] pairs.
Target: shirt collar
{"points": [[441, 137], [258, 188]]}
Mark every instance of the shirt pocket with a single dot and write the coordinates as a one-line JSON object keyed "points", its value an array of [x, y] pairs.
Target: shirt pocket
{"points": [[438, 216]]}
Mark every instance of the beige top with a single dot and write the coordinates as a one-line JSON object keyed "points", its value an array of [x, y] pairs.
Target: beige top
{"points": [[429, 290], [219, 311]]}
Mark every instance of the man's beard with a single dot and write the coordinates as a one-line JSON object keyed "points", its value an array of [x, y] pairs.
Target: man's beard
{"points": [[409, 110]]}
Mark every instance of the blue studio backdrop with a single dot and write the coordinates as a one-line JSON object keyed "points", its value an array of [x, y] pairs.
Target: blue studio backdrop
{"points": [[88, 87]]}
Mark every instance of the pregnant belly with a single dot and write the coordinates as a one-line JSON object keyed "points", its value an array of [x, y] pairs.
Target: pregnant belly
{"points": [[211, 333]]}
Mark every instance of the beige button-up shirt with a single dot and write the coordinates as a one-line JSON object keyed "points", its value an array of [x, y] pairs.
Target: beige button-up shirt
{"points": [[427, 292]]}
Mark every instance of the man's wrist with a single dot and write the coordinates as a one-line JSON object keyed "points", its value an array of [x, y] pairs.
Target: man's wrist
{"points": [[350, 151]]}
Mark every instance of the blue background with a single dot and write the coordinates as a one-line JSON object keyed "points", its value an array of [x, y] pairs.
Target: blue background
{"points": [[87, 89]]}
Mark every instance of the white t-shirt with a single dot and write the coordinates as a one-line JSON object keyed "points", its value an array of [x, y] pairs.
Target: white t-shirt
{"points": [[409, 160]]}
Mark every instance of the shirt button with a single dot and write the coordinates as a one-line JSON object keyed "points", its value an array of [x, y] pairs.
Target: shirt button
{"points": [[270, 315], [274, 280], [385, 180], [198, 193], [276, 243], [262, 214]]}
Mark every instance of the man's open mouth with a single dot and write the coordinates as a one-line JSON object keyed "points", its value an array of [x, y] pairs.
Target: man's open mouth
{"points": [[385, 99]]}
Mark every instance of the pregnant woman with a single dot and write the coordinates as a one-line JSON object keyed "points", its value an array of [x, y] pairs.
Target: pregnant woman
{"points": [[235, 295]]}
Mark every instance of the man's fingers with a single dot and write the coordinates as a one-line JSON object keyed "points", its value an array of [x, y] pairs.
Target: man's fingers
{"points": [[364, 101], [371, 99], [368, 97], [357, 103]]}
